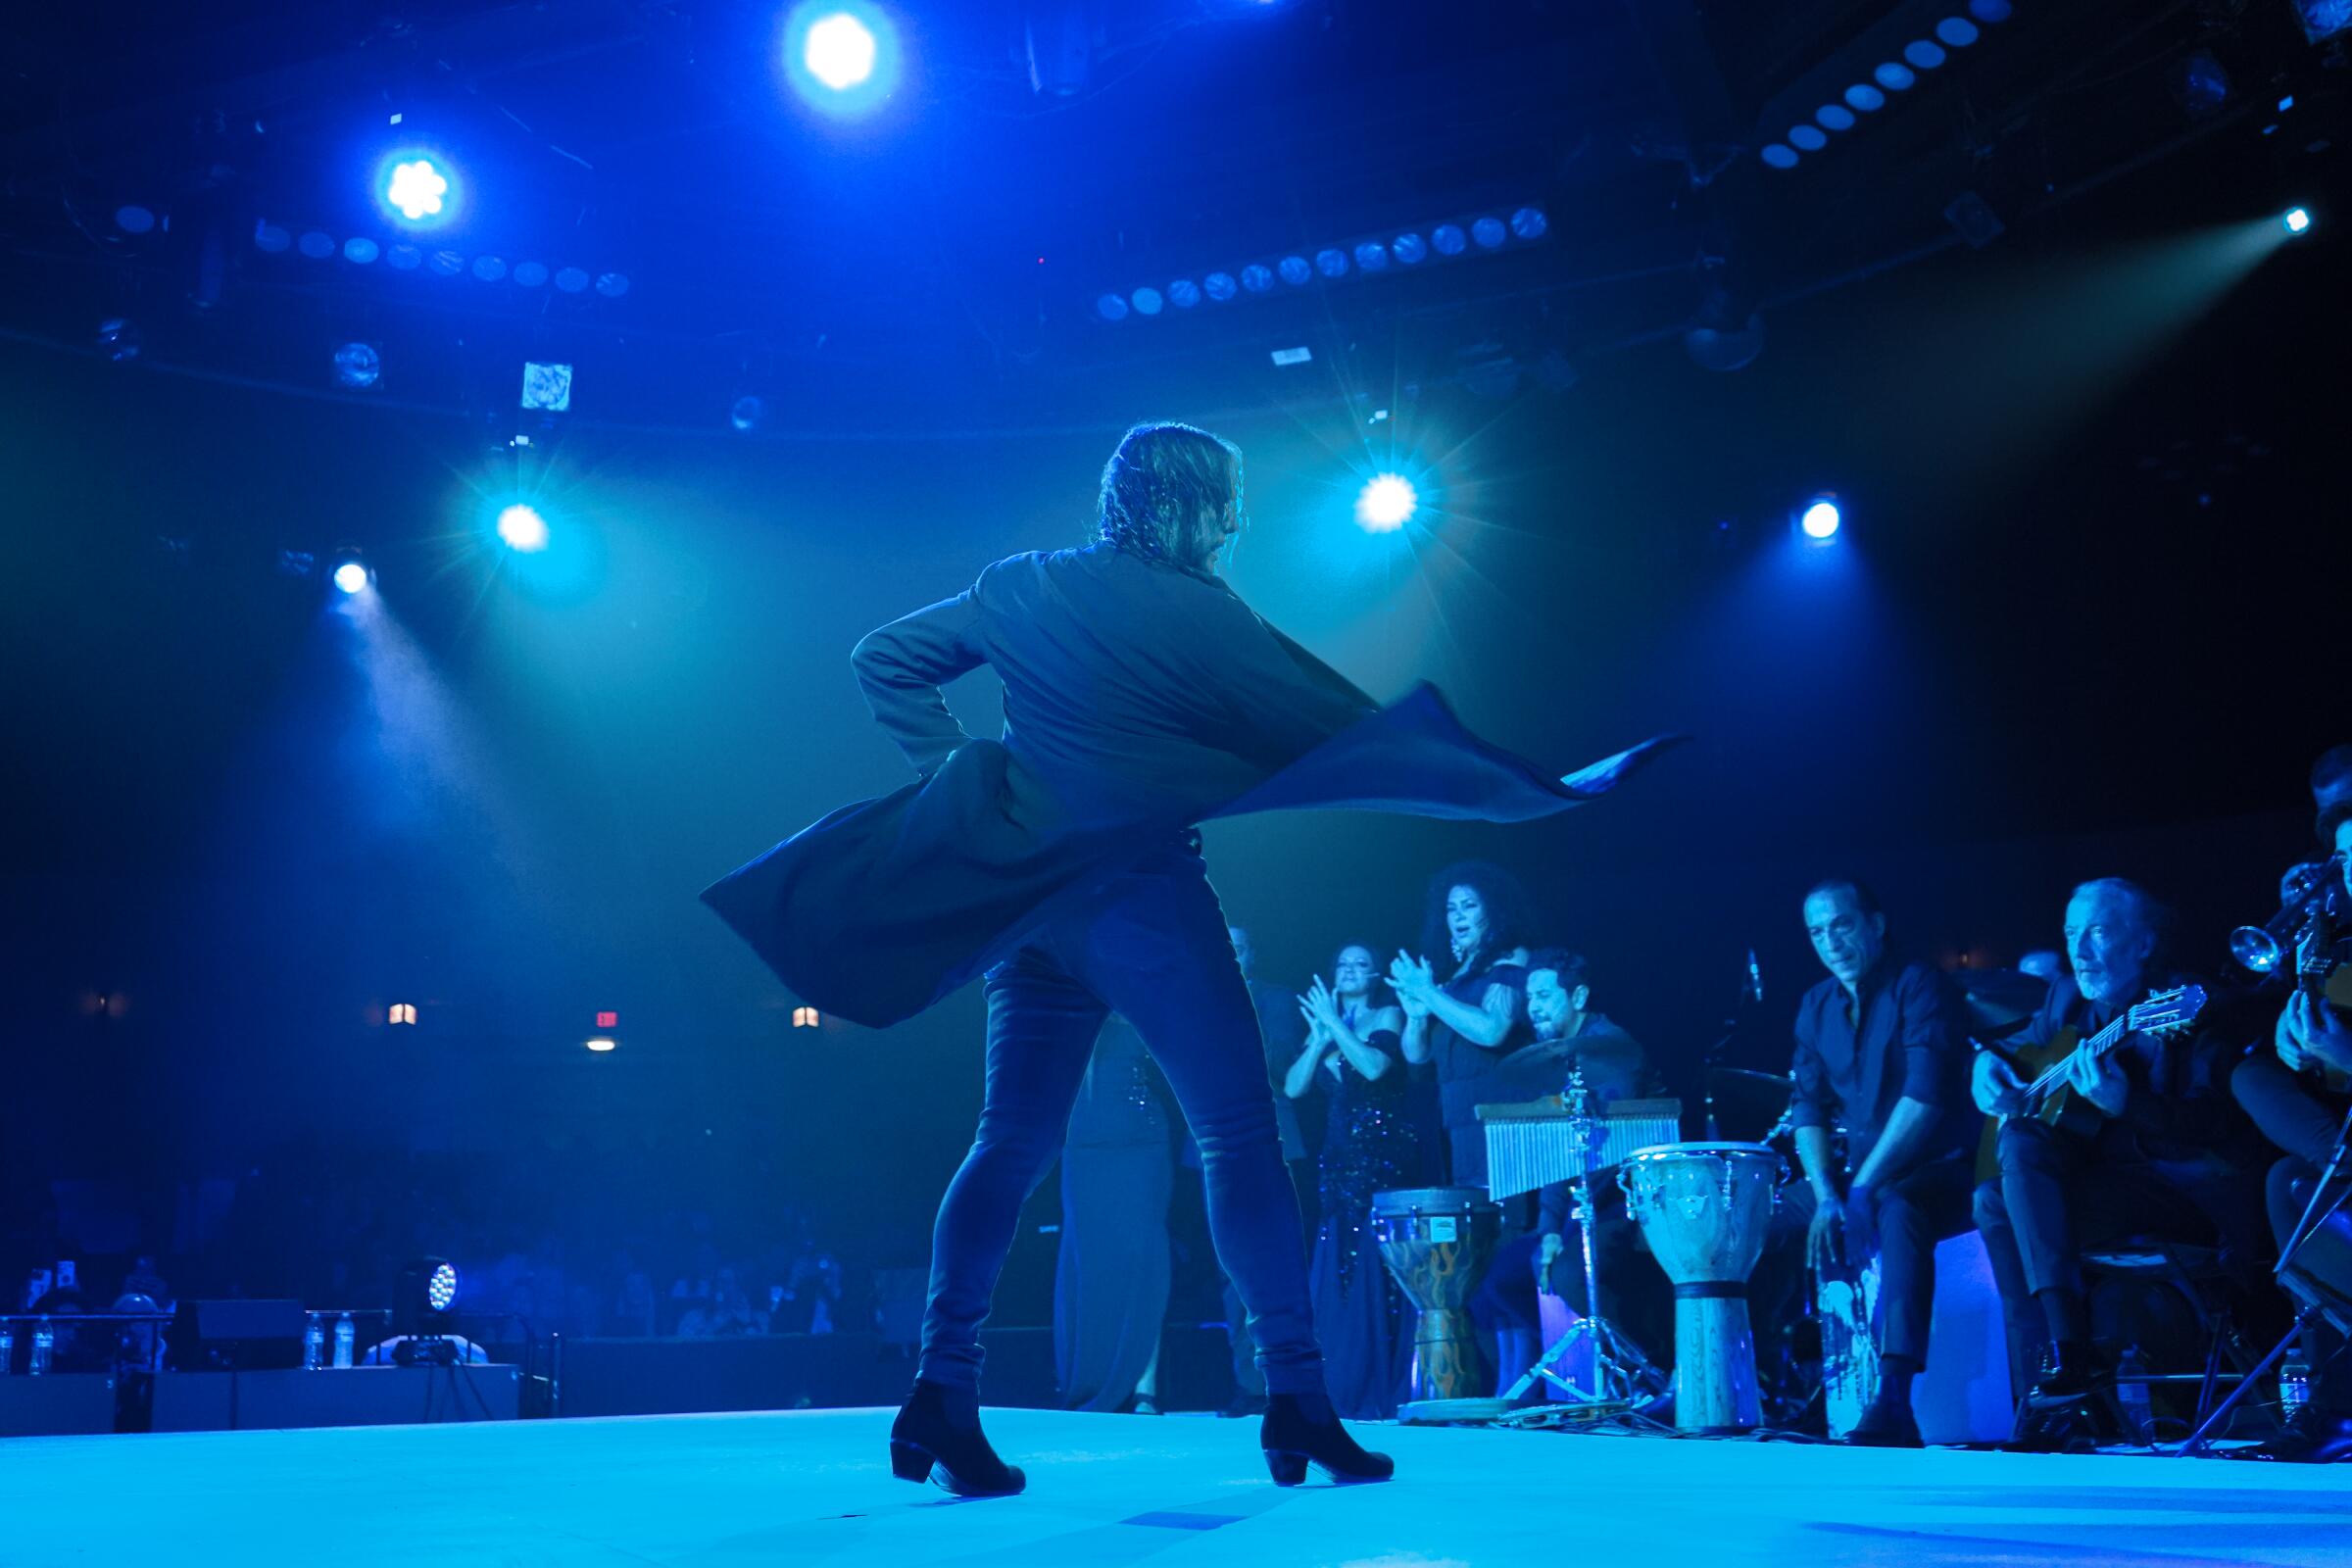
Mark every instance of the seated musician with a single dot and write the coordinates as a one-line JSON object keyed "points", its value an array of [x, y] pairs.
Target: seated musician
{"points": [[1881, 1048], [1571, 1035], [2167, 1153], [2286, 1090]]}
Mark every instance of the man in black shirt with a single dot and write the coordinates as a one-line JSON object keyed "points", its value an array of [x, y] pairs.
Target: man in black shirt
{"points": [[1881, 1048], [2171, 1155]]}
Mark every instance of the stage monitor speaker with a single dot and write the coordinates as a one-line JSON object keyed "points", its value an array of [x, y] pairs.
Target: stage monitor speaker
{"points": [[244, 1336], [57, 1405]]}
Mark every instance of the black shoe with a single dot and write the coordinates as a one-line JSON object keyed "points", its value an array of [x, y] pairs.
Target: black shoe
{"points": [[1887, 1423], [937, 1438], [1299, 1430], [2070, 1374], [2312, 1436]]}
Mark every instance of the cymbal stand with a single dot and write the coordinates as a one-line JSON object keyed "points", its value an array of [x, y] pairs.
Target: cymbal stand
{"points": [[1621, 1374]]}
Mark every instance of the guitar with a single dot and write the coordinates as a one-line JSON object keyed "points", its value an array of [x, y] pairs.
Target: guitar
{"points": [[2049, 1094], [2319, 975]]}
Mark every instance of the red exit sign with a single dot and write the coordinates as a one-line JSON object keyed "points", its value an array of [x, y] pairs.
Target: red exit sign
{"points": [[608, 1020]]}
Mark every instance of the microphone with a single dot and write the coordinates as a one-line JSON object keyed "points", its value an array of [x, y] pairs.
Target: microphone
{"points": [[1755, 978]]}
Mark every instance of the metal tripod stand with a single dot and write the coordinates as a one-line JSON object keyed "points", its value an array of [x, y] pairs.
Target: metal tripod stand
{"points": [[1622, 1375]]}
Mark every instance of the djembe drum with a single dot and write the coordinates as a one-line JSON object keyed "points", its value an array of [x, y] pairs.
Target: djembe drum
{"points": [[1704, 1210], [1437, 1243]]}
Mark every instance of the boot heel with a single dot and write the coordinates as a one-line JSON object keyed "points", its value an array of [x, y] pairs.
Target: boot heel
{"points": [[908, 1462], [1287, 1469]]}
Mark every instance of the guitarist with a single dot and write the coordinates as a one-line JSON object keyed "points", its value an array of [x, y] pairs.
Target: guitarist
{"points": [[1881, 1047], [2156, 1146], [2285, 1090]]}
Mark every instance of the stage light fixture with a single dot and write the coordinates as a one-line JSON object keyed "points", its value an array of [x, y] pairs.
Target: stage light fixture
{"points": [[1295, 270], [1834, 117], [1821, 519], [351, 577], [1924, 53], [1529, 223], [1111, 306], [419, 189], [1384, 504], [1410, 249], [843, 56], [546, 387], [424, 1303], [611, 285], [529, 274], [445, 264], [317, 244], [1332, 261], [272, 237], [1257, 279], [1449, 239], [1957, 31], [1488, 232], [571, 279], [2297, 220], [805, 1019], [360, 250], [522, 528], [1991, 11], [1146, 301], [1865, 98], [403, 258], [358, 365], [1219, 286], [133, 219], [1371, 256], [1807, 138], [490, 269], [1894, 77], [401, 1012], [1778, 154], [600, 1044], [1183, 293]]}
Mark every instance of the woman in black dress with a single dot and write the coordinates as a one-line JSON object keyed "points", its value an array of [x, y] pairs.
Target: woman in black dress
{"points": [[1370, 1145], [1142, 697]]}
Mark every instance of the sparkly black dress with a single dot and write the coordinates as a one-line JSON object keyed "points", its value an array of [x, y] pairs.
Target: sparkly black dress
{"points": [[1370, 1145]]}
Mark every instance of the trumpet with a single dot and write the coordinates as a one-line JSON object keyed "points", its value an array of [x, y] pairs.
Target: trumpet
{"points": [[2309, 895]]}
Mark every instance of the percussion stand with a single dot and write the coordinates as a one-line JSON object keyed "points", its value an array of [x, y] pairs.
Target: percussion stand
{"points": [[2313, 1218], [1619, 1368]]}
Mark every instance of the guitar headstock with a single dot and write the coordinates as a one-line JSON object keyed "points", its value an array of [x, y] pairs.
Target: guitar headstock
{"points": [[2167, 1011]]}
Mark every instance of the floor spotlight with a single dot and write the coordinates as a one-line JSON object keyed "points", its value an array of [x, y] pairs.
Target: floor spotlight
{"points": [[1384, 504], [351, 577], [424, 1311], [522, 528], [2297, 220], [1820, 519]]}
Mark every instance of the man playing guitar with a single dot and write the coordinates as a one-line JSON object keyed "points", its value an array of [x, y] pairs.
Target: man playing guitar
{"points": [[2156, 1146]]}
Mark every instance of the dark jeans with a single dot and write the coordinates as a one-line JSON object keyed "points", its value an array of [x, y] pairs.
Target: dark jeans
{"points": [[2060, 1193], [1247, 1379], [2304, 1121], [1149, 945], [1928, 1203]]}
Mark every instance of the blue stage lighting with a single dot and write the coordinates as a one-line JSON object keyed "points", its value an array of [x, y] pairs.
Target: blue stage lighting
{"points": [[1529, 223], [1146, 301], [1111, 306], [1489, 232], [1894, 77], [1384, 504], [1372, 256], [358, 364], [1410, 248], [1332, 261], [1219, 286], [1865, 98], [1779, 155], [2297, 220], [1821, 519], [1836, 117], [1295, 270], [1989, 10], [1183, 293], [417, 189], [360, 250], [522, 528], [351, 577], [1257, 278], [1807, 138], [843, 56], [1449, 239]]}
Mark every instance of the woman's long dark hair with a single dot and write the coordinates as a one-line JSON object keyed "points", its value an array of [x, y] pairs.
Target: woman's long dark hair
{"points": [[1508, 916], [1168, 494]]}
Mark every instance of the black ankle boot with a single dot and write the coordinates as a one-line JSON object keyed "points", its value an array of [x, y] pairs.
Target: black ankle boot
{"points": [[937, 1436], [1300, 1429]]}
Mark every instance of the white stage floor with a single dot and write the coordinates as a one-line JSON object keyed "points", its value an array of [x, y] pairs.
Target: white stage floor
{"points": [[812, 1488]]}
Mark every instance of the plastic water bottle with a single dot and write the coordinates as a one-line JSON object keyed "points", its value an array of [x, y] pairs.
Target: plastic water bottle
{"points": [[8, 1346], [314, 1344], [2295, 1382], [44, 1342], [2132, 1394], [343, 1339]]}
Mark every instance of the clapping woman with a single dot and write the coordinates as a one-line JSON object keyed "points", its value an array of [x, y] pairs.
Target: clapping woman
{"points": [[1352, 1054]]}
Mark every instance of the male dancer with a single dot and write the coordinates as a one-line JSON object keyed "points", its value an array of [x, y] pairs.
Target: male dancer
{"points": [[1142, 697]]}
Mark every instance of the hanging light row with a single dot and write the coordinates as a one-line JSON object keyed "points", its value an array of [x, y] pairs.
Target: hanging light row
{"points": [[362, 249], [1886, 80], [1366, 256]]}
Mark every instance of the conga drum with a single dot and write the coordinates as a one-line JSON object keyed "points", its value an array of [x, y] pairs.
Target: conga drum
{"points": [[1437, 1243], [1704, 1210]]}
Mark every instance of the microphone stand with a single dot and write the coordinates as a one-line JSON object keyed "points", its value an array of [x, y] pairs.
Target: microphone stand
{"points": [[2313, 1218]]}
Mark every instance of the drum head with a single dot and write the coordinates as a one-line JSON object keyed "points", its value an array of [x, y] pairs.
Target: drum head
{"points": [[1686, 1150]]}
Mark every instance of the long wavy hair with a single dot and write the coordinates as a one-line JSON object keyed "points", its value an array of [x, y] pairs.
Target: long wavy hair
{"points": [[1508, 911], [1171, 493]]}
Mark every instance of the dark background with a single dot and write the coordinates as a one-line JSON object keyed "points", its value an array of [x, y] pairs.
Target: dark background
{"points": [[2085, 618]]}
